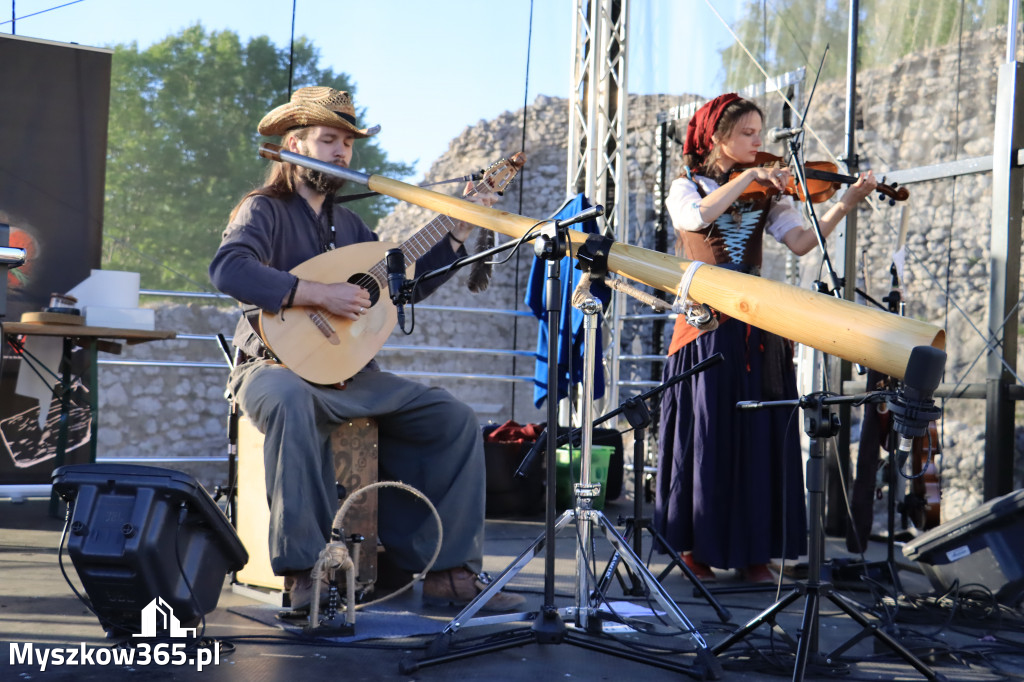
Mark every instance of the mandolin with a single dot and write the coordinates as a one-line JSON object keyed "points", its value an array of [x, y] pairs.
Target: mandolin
{"points": [[326, 349]]}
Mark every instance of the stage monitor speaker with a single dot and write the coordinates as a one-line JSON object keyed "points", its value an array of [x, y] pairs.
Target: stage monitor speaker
{"points": [[138, 533], [982, 547]]}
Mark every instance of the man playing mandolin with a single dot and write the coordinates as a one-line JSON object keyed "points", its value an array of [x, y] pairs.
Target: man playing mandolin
{"points": [[427, 438]]}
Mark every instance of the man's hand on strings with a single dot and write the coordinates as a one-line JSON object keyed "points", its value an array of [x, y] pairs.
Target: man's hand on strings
{"points": [[340, 298]]}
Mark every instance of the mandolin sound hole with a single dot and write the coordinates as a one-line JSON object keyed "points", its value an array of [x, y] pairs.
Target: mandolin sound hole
{"points": [[369, 283]]}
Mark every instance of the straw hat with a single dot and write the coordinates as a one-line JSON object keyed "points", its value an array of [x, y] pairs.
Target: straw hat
{"points": [[314, 106]]}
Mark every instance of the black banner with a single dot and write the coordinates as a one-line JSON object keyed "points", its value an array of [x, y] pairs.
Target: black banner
{"points": [[54, 104]]}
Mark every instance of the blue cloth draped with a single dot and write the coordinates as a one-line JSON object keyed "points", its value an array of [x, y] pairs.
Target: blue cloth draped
{"points": [[571, 332]]}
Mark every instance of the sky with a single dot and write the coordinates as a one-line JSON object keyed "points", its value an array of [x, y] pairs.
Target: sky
{"points": [[423, 69]]}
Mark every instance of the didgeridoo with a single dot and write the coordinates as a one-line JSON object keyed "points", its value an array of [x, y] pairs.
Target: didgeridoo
{"points": [[866, 336]]}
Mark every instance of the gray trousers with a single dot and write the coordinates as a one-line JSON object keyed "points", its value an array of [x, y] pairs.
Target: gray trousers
{"points": [[427, 439]]}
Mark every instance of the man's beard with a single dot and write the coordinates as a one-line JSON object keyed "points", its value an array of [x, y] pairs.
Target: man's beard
{"points": [[321, 182]]}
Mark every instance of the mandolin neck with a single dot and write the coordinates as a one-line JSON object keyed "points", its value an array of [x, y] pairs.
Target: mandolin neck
{"points": [[417, 245], [430, 234]]}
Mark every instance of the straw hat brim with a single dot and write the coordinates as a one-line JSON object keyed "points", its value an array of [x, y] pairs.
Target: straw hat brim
{"points": [[302, 114]]}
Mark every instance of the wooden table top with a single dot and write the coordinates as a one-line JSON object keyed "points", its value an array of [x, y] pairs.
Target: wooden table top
{"points": [[81, 331]]}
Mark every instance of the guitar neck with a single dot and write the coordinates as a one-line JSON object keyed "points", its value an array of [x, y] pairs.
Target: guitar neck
{"points": [[429, 235], [417, 245], [496, 178]]}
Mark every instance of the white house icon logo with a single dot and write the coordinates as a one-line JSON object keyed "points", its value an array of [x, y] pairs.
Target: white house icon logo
{"points": [[158, 616]]}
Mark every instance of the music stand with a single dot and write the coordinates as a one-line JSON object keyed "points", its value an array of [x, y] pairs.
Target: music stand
{"points": [[819, 422], [548, 624]]}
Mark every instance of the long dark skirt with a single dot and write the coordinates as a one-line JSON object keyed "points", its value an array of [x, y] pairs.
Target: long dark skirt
{"points": [[730, 482]]}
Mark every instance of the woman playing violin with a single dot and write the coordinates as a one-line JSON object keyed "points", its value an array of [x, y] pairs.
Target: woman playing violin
{"points": [[730, 490]]}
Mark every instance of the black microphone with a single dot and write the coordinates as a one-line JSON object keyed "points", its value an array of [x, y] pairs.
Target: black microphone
{"points": [[780, 134], [913, 408], [585, 214], [538, 446], [394, 259]]}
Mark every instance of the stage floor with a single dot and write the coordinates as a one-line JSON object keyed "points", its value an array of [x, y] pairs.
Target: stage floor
{"points": [[961, 639]]}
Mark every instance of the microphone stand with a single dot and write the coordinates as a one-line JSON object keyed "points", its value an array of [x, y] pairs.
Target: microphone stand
{"points": [[548, 626], [835, 283], [895, 305], [639, 417], [819, 422], [460, 263], [231, 490]]}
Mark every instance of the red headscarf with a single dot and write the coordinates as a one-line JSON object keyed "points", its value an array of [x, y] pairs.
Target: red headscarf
{"points": [[702, 125]]}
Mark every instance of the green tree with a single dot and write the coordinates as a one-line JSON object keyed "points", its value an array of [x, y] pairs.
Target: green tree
{"points": [[784, 35], [182, 147]]}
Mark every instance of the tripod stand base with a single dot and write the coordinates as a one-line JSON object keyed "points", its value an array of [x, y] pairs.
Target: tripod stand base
{"points": [[550, 628], [818, 423], [548, 625], [805, 644]]}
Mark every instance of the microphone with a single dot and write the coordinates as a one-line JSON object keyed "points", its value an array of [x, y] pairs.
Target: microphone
{"points": [[913, 407], [394, 259], [780, 134], [539, 446], [585, 214]]}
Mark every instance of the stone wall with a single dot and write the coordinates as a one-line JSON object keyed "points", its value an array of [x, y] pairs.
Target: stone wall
{"points": [[911, 117]]}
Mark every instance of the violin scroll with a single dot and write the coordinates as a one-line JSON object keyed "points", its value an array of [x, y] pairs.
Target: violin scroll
{"points": [[893, 193]]}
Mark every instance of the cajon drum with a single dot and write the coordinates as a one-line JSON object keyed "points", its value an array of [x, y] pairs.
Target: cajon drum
{"points": [[354, 445]]}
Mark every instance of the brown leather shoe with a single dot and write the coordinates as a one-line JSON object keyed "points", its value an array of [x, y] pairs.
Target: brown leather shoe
{"points": [[459, 586], [299, 586]]}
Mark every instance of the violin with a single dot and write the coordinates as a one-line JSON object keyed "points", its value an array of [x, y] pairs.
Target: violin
{"points": [[822, 181], [925, 487], [921, 503]]}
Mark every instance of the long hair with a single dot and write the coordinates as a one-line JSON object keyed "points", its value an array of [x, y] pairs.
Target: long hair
{"points": [[726, 124], [280, 179]]}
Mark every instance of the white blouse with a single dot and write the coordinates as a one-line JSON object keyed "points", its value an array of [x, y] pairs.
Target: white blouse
{"points": [[683, 205]]}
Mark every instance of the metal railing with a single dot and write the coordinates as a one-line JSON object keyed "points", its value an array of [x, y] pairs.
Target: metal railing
{"points": [[497, 352]]}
